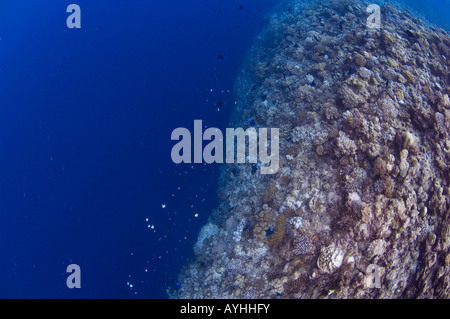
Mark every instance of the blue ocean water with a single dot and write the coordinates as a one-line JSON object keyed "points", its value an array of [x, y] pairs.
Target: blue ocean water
{"points": [[86, 116]]}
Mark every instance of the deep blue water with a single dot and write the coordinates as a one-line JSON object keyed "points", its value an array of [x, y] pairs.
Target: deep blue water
{"points": [[85, 122]]}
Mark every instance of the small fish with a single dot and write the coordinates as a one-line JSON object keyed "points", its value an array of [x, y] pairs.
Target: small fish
{"points": [[240, 7], [251, 122], [171, 227], [270, 231], [278, 294], [247, 226], [219, 104], [409, 33], [220, 57]]}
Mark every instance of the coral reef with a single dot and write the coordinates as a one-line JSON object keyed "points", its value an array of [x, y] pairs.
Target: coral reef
{"points": [[364, 119], [330, 258]]}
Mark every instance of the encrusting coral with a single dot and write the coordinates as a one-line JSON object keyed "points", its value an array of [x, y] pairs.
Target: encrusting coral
{"points": [[364, 119]]}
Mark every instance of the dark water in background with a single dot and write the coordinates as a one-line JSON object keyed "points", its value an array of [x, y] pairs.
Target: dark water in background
{"points": [[85, 123]]}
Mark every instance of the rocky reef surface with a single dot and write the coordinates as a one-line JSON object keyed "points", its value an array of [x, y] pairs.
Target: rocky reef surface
{"points": [[359, 206]]}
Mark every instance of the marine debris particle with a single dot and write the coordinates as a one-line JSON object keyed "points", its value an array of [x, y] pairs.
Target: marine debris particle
{"points": [[247, 226], [364, 118]]}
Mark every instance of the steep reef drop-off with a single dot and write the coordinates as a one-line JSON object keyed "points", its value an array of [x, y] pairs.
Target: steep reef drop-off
{"points": [[360, 205]]}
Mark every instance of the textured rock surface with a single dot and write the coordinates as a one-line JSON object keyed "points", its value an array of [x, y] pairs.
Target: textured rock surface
{"points": [[364, 120]]}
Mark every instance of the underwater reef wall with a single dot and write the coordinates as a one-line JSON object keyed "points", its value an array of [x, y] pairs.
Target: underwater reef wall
{"points": [[360, 205]]}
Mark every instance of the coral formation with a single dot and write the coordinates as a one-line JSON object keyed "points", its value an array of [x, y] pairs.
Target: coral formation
{"points": [[275, 239], [330, 258], [364, 119]]}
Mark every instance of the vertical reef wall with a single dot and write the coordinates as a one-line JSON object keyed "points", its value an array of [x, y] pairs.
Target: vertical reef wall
{"points": [[359, 207]]}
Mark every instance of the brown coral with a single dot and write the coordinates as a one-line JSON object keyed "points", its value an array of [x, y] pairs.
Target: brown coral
{"points": [[375, 107], [276, 238]]}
